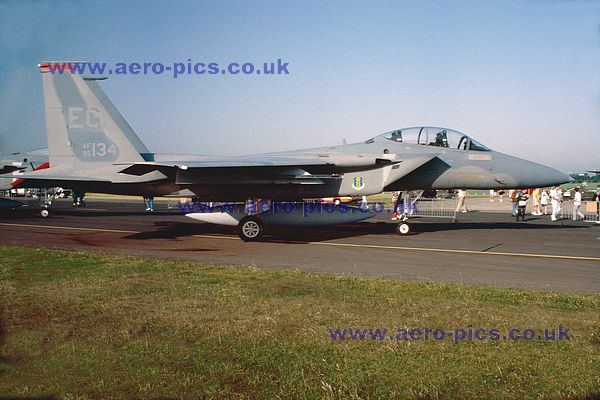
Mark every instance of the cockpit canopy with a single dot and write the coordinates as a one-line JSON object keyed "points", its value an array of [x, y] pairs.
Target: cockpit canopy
{"points": [[431, 136]]}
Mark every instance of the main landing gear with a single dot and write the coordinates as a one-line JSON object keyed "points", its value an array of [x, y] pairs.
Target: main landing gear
{"points": [[45, 202], [250, 228], [44, 213]]}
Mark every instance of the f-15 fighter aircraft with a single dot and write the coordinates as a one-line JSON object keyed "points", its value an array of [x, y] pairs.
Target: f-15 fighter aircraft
{"points": [[92, 148]]}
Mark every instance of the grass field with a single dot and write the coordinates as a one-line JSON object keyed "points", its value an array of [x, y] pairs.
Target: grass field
{"points": [[78, 326]]}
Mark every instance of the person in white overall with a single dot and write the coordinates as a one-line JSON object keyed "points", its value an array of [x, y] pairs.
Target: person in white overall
{"points": [[556, 199], [577, 205]]}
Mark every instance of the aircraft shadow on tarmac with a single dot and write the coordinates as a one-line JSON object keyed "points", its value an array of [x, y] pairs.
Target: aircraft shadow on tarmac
{"points": [[175, 230]]}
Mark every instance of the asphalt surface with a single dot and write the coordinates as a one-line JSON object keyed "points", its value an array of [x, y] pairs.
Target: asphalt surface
{"points": [[485, 247]]}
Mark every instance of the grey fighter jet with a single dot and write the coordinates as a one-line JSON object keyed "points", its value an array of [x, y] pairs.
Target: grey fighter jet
{"points": [[22, 160], [93, 149]]}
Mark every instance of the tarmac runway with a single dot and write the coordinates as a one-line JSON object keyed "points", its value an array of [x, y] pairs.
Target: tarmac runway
{"points": [[485, 247]]}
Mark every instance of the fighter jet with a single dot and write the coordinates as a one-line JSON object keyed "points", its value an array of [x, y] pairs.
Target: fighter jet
{"points": [[20, 161], [92, 148], [9, 165]]}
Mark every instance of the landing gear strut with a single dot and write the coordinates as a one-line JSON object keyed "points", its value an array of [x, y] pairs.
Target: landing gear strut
{"points": [[407, 204], [45, 202]]}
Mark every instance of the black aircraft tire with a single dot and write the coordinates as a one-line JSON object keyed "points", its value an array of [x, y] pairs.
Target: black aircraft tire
{"points": [[250, 229], [403, 228]]}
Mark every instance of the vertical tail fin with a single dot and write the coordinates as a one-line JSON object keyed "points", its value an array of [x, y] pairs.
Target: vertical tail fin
{"points": [[85, 130]]}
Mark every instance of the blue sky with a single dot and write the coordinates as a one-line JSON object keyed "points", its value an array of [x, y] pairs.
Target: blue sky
{"points": [[522, 77]]}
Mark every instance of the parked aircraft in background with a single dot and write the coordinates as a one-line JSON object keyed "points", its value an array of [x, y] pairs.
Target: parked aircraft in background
{"points": [[92, 148], [20, 161]]}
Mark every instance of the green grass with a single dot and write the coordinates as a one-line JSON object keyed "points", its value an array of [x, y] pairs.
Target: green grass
{"points": [[77, 325]]}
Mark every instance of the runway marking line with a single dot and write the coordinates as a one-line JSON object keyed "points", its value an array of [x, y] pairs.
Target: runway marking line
{"points": [[354, 245], [425, 249], [216, 237], [71, 228]]}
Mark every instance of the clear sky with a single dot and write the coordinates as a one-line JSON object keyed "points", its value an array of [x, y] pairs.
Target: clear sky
{"points": [[522, 77]]}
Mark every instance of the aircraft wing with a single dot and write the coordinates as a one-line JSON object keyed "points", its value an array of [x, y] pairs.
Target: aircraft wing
{"points": [[141, 168], [48, 177], [56, 177], [228, 173], [264, 163], [44, 179], [284, 170]]}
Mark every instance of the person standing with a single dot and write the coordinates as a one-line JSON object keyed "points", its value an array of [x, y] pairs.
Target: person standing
{"points": [[492, 195], [75, 196], [577, 205], [78, 198], [462, 194], [536, 201], [544, 200], [556, 200], [597, 198], [512, 194], [522, 198], [149, 201], [396, 197], [501, 194]]}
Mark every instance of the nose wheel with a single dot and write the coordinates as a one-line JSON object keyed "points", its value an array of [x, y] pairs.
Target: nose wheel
{"points": [[250, 229], [403, 228]]}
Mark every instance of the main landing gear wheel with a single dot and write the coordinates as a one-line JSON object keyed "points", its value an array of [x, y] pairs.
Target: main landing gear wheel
{"points": [[250, 229], [44, 213], [403, 228]]}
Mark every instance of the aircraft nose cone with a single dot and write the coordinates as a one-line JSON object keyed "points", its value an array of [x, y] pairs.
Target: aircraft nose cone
{"points": [[556, 177], [519, 173], [538, 175]]}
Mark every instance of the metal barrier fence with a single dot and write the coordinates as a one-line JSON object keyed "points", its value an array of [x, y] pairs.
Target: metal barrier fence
{"points": [[426, 207], [588, 208]]}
